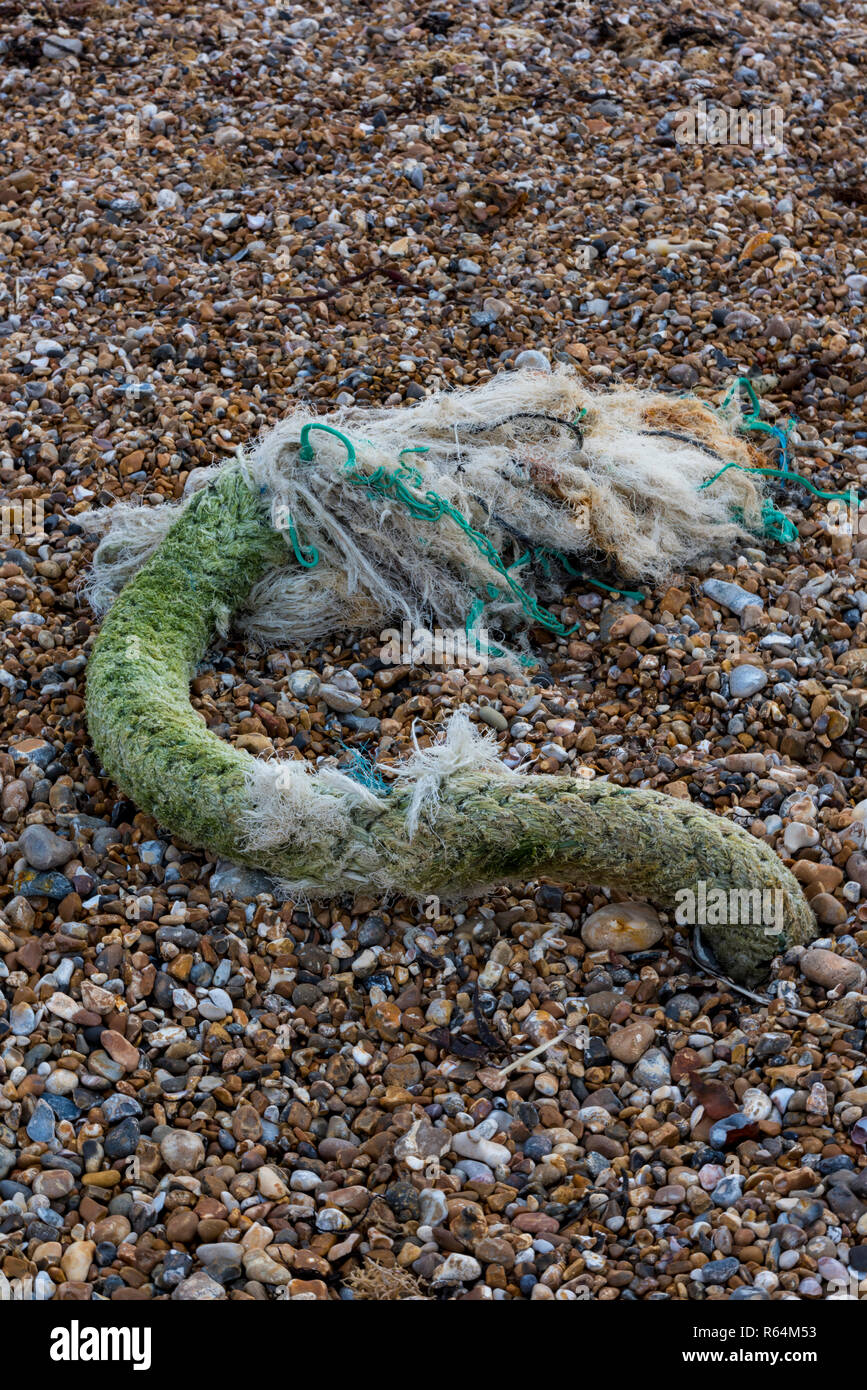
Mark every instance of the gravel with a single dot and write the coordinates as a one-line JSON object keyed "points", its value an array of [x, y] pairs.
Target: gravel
{"points": [[208, 1094]]}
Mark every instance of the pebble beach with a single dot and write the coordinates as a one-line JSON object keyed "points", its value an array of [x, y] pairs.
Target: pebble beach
{"points": [[208, 214]]}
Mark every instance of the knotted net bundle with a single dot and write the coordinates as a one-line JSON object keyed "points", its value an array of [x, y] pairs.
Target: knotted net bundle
{"points": [[537, 462]]}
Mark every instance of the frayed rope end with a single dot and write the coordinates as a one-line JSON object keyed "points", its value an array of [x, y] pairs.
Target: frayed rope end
{"points": [[463, 748]]}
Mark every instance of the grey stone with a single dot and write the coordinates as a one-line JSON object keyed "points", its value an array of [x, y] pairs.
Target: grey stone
{"points": [[22, 1020], [609, 110], [434, 1210], [43, 849], [727, 1191], [652, 1070], [718, 1271], [122, 1141], [536, 361], [40, 1126], [21, 559], [119, 1107], [742, 318], [221, 1260], [175, 1267], [747, 680], [343, 701], [105, 1066], [365, 964], [151, 851], [607, 618], [770, 1045], [183, 1150], [61, 46], [41, 756], [555, 751], [683, 374], [234, 881], [217, 1005], [474, 1171], [103, 837], [42, 885], [199, 1288], [372, 932], [493, 718], [81, 823], [304, 685], [731, 596], [361, 724]]}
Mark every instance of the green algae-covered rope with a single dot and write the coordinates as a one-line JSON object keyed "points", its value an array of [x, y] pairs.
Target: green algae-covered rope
{"points": [[486, 827], [138, 705]]}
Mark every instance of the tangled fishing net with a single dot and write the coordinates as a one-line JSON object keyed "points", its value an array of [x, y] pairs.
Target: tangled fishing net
{"points": [[540, 464]]}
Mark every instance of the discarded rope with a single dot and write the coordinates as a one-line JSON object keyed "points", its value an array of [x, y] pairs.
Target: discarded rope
{"points": [[456, 818]]}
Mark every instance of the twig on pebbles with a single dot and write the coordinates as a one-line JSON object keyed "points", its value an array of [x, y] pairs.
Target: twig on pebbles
{"points": [[535, 1052]]}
